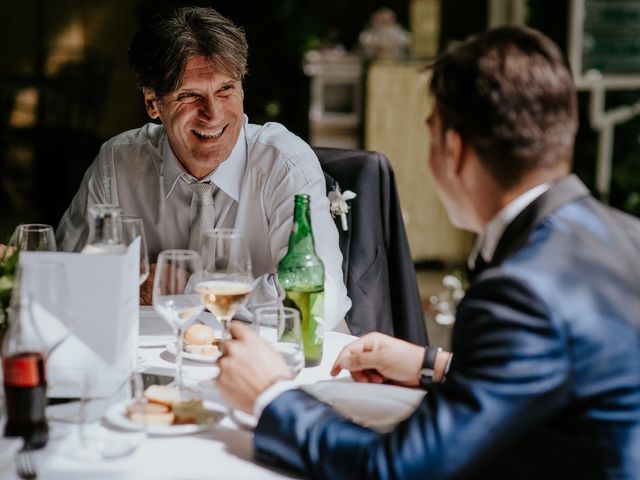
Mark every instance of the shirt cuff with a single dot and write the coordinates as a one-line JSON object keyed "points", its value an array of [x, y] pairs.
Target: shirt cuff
{"points": [[270, 394]]}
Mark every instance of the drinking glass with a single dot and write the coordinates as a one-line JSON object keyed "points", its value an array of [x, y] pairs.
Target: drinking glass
{"points": [[227, 281], [42, 293], [33, 237], [280, 326], [96, 441], [105, 233], [131, 228], [175, 297]]}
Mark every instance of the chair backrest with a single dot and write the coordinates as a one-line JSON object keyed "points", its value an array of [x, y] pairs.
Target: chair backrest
{"points": [[377, 263]]}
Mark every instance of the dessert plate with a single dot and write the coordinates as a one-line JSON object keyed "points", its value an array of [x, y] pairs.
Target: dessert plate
{"points": [[171, 348], [117, 416]]}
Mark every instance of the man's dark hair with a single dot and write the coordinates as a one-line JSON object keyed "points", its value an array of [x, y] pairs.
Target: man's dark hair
{"points": [[159, 51], [510, 94]]}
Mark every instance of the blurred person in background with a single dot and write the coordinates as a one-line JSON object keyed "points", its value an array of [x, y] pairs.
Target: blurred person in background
{"points": [[189, 64], [545, 378]]}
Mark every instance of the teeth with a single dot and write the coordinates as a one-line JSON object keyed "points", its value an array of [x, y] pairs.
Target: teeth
{"points": [[208, 135]]}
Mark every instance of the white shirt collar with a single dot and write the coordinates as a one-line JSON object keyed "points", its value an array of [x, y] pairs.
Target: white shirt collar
{"points": [[487, 241], [227, 177]]}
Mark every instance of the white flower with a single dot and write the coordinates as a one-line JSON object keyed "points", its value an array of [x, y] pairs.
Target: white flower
{"points": [[338, 204]]}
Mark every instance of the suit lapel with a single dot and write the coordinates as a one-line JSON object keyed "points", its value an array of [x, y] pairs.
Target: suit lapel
{"points": [[565, 190]]}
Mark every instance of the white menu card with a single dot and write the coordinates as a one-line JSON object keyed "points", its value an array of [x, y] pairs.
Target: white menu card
{"points": [[103, 303]]}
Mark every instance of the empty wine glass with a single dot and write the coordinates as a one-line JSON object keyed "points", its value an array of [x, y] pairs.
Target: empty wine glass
{"points": [[227, 280], [42, 292], [33, 237], [95, 440], [280, 326], [174, 295], [131, 229]]}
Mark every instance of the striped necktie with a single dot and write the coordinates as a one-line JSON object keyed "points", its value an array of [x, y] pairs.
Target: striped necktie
{"points": [[204, 219]]}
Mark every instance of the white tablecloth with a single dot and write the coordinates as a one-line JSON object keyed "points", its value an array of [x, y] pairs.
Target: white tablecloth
{"points": [[224, 451]]}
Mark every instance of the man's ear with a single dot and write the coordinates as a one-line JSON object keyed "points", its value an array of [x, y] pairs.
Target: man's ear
{"points": [[151, 102], [454, 150]]}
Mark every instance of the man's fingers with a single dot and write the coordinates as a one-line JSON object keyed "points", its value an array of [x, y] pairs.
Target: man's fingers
{"points": [[238, 330], [364, 361]]}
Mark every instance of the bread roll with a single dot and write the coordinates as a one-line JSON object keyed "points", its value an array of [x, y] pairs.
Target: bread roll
{"points": [[162, 394], [200, 339], [150, 413], [202, 349], [153, 418]]}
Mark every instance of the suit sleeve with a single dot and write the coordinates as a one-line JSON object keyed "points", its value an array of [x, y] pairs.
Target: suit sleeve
{"points": [[509, 356]]}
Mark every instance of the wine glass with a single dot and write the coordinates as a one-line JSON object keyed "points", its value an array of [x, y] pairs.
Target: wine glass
{"points": [[131, 228], [41, 292], [33, 237], [174, 295], [280, 326], [226, 280]]}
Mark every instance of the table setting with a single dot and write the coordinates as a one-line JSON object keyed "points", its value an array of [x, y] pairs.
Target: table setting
{"points": [[142, 402]]}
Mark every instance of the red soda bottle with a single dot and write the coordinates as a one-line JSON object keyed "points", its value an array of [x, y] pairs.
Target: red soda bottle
{"points": [[25, 384]]}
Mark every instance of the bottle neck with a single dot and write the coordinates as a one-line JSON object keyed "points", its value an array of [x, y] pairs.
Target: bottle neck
{"points": [[301, 238]]}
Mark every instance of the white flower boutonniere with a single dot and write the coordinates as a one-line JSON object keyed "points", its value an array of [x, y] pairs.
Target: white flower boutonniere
{"points": [[338, 204]]}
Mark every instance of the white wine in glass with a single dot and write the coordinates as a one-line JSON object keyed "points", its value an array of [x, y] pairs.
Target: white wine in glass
{"points": [[227, 281], [174, 295]]}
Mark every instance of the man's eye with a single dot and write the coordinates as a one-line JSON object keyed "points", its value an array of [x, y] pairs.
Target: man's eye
{"points": [[226, 90], [187, 97]]}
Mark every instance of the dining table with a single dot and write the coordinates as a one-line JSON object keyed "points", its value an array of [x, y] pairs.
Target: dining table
{"points": [[222, 450]]}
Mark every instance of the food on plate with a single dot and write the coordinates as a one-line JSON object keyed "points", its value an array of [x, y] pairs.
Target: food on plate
{"points": [[200, 339], [189, 411], [162, 394], [150, 413], [165, 406]]}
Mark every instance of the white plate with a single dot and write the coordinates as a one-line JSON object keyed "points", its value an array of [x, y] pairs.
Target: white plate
{"points": [[377, 406], [117, 416], [171, 348]]}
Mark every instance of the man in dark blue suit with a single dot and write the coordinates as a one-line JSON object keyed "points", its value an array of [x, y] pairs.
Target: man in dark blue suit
{"points": [[545, 379]]}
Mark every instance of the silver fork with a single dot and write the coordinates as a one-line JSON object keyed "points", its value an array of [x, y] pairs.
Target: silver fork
{"points": [[25, 465]]}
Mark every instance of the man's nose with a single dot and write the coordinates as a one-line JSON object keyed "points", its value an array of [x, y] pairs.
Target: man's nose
{"points": [[210, 108]]}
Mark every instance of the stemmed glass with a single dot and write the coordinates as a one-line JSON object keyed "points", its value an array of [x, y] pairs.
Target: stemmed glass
{"points": [[131, 228], [33, 237], [174, 295], [227, 280], [42, 293]]}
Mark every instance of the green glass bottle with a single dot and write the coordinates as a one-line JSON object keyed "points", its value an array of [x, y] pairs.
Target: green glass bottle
{"points": [[301, 275]]}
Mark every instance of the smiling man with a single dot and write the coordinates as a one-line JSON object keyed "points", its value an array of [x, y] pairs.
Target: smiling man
{"points": [[204, 165]]}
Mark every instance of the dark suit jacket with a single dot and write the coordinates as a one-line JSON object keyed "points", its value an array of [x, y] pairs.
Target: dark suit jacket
{"points": [[545, 381], [377, 263]]}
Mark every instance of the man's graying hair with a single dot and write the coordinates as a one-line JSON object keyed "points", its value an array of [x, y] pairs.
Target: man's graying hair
{"points": [[509, 93], [159, 51]]}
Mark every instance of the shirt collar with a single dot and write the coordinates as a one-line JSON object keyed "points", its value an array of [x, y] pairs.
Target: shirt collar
{"points": [[487, 241], [227, 177]]}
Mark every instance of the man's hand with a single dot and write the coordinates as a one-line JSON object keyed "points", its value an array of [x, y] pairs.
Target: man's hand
{"points": [[248, 367], [146, 289], [377, 358]]}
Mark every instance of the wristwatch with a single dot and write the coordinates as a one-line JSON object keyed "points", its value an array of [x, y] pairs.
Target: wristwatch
{"points": [[428, 363]]}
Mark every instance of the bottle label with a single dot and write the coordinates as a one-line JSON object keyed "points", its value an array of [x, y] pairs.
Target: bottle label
{"points": [[22, 371]]}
